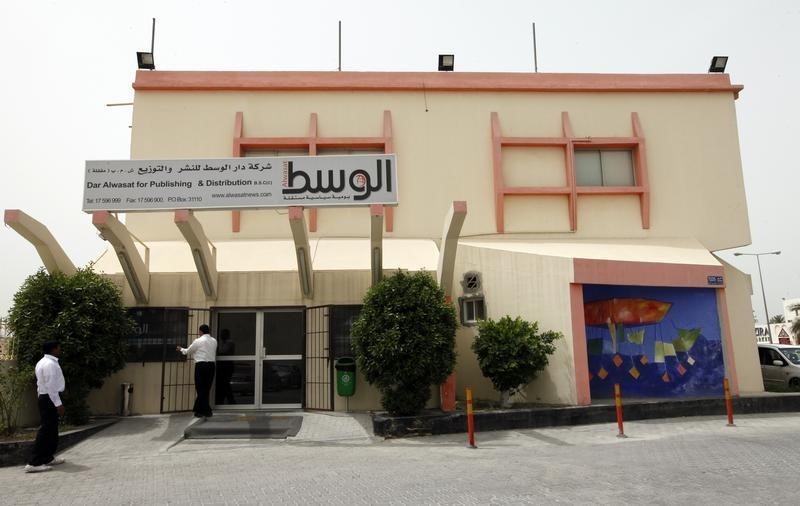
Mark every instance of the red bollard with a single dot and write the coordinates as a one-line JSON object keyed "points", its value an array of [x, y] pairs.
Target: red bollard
{"points": [[728, 403], [470, 421], [618, 402]]}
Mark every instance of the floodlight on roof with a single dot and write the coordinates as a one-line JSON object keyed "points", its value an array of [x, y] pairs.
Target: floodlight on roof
{"points": [[718, 64], [446, 62], [145, 60]]}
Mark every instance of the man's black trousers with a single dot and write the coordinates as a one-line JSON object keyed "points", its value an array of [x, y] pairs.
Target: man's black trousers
{"points": [[47, 438], [203, 378]]}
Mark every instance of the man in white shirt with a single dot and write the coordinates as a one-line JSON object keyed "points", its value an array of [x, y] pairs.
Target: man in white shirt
{"points": [[49, 385], [204, 352]]}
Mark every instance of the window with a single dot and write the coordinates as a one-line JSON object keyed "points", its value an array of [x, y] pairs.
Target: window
{"points": [[768, 356], [472, 310], [604, 168], [156, 333], [341, 325]]}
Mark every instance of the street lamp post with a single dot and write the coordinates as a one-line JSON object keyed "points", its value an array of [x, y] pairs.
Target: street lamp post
{"points": [[761, 279]]}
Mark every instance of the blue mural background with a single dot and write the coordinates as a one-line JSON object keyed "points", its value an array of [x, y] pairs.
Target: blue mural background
{"points": [[697, 372]]}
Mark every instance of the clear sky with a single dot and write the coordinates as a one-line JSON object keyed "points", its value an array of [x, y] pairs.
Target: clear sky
{"points": [[64, 61]]}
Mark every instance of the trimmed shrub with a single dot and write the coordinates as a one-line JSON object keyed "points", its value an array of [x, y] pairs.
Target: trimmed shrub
{"points": [[404, 340], [512, 352]]}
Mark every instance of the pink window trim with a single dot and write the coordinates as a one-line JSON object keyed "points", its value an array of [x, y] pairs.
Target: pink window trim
{"points": [[569, 142], [311, 143], [580, 354]]}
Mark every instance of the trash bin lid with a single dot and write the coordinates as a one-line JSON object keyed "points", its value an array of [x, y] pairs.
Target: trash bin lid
{"points": [[347, 363]]}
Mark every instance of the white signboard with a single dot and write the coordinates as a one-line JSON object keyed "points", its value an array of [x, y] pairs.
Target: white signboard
{"points": [[235, 183]]}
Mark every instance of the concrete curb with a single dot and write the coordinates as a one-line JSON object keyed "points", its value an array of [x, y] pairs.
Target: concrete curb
{"points": [[17, 453], [433, 423]]}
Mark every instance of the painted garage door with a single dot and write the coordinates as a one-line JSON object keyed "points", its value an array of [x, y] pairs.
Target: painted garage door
{"points": [[653, 341]]}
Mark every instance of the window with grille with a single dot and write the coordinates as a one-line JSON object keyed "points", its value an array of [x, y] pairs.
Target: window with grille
{"points": [[341, 325], [156, 333]]}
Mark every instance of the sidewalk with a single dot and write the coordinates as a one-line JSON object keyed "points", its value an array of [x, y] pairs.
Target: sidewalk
{"points": [[696, 460]]}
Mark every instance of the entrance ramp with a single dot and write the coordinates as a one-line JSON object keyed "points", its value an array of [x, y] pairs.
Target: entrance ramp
{"points": [[245, 426]]}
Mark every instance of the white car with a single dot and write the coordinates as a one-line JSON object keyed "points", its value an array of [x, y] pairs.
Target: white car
{"points": [[780, 365]]}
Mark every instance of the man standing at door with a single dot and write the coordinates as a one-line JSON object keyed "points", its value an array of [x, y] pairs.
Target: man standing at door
{"points": [[49, 385], [204, 352]]}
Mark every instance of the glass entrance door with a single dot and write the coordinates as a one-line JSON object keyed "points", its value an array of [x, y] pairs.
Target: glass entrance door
{"points": [[236, 359], [260, 358], [282, 358]]}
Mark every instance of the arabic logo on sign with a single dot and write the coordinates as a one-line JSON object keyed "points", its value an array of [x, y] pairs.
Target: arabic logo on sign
{"points": [[297, 181]]}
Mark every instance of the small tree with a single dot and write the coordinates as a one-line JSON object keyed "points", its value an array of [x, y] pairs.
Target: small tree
{"points": [[404, 340], [512, 352], [14, 382], [778, 318], [85, 313]]}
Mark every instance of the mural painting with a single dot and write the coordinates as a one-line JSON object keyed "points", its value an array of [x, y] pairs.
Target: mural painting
{"points": [[653, 341]]}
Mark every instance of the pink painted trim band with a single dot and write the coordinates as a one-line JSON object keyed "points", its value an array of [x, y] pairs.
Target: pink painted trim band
{"points": [[238, 129], [313, 133], [431, 81], [11, 215], [182, 215], [617, 272], [580, 354], [377, 209], [100, 217], [725, 328]]}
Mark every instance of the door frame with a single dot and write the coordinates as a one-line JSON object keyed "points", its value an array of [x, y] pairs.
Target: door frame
{"points": [[258, 356]]}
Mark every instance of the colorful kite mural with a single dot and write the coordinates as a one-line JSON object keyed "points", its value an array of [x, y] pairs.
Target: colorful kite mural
{"points": [[653, 341]]}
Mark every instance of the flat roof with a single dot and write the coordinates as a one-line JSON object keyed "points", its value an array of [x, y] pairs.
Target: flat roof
{"points": [[430, 81]]}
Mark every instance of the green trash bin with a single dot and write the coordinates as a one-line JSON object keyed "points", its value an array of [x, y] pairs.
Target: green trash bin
{"points": [[345, 376]]}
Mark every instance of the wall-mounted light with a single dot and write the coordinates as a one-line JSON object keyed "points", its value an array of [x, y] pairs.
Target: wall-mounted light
{"points": [[718, 64], [446, 62]]}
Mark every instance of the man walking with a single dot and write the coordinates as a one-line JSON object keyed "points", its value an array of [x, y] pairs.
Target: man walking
{"points": [[204, 352], [49, 385]]}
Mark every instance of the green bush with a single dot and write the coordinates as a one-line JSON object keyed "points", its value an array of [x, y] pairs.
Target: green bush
{"points": [[404, 340], [512, 352], [14, 382], [85, 313]]}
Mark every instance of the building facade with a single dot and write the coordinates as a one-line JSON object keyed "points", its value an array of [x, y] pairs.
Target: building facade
{"points": [[592, 204]]}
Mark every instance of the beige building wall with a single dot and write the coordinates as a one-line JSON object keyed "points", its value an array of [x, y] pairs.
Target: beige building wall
{"points": [[535, 288], [444, 154], [740, 312]]}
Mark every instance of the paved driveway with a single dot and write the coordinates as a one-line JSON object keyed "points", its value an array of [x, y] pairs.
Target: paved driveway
{"points": [[673, 461]]}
